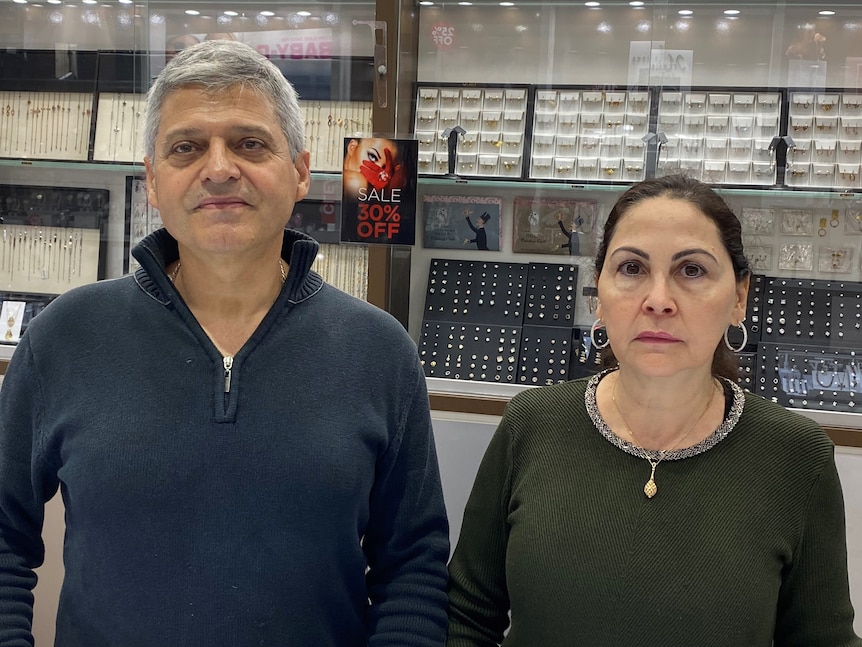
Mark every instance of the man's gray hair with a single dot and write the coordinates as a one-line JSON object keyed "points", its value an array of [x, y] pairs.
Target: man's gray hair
{"points": [[215, 66]]}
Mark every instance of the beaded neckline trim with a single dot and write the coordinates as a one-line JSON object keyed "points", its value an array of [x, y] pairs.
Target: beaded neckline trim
{"points": [[707, 443]]}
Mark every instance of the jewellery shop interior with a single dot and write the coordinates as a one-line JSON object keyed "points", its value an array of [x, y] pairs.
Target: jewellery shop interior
{"points": [[556, 107]]}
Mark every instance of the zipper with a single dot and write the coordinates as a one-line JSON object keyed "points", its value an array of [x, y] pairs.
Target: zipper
{"points": [[228, 365]]}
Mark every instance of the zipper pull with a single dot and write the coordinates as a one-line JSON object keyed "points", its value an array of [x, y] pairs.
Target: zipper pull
{"points": [[228, 365]]}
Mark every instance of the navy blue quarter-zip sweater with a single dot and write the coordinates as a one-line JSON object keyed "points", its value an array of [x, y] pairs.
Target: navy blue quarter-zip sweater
{"points": [[289, 498]]}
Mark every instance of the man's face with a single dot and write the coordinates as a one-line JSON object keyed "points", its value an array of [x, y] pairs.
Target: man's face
{"points": [[222, 177]]}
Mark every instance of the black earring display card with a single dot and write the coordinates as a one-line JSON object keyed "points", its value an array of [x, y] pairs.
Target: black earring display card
{"points": [[550, 297], [587, 359], [747, 366], [52, 237], [812, 312], [476, 292], [546, 355], [805, 377], [470, 352]]}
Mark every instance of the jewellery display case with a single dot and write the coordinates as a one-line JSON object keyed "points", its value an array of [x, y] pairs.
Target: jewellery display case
{"points": [[617, 93], [71, 118]]}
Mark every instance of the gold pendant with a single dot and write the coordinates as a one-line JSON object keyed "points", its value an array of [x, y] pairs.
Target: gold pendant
{"points": [[650, 488]]}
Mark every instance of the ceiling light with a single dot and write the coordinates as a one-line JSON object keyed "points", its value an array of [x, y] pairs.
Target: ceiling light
{"points": [[20, 1], [272, 13], [826, 12], [55, 1], [636, 3], [731, 12], [230, 13], [592, 4], [190, 12], [304, 14], [426, 3], [507, 4], [685, 12], [465, 4]]}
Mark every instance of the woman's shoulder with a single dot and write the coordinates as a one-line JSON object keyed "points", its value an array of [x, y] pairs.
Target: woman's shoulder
{"points": [[783, 429], [554, 398]]}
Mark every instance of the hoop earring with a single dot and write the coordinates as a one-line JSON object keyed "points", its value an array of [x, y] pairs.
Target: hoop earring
{"points": [[741, 326], [593, 335]]}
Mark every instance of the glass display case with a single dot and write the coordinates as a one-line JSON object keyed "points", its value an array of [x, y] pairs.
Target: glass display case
{"points": [[73, 79], [562, 106], [757, 99]]}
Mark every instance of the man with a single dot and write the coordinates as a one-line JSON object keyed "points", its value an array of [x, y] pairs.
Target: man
{"points": [[244, 452], [481, 238]]}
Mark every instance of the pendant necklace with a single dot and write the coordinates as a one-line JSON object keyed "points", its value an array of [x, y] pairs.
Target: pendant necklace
{"points": [[650, 488]]}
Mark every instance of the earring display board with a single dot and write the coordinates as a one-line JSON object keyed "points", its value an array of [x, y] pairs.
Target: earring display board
{"points": [[499, 322], [807, 377], [550, 297], [483, 353], [345, 267], [815, 313], [588, 134], [47, 260], [493, 119], [141, 218], [327, 123], [119, 127], [545, 356], [826, 128], [719, 137], [45, 125], [476, 291], [51, 238], [747, 364]]}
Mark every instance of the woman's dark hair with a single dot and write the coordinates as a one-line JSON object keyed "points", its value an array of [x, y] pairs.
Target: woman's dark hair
{"points": [[713, 206]]}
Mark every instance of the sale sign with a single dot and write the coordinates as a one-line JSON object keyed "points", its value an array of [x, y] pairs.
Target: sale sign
{"points": [[443, 35], [379, 190]]}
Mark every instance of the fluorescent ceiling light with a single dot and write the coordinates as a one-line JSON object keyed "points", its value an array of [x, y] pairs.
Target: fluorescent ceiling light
{"points": [[826, 12], [731, 12], [685, 12]]}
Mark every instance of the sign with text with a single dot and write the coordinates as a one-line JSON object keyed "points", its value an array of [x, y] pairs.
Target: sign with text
{"points": [[651, 64], [379, 190]]}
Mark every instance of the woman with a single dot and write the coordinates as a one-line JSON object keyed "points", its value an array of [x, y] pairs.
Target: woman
{"points": [[370, 164], [656, 503]]}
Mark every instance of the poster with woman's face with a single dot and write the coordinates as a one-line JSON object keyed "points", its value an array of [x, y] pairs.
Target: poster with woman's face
{"points": [[379, 190]]}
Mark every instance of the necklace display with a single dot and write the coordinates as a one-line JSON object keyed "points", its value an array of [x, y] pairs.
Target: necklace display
{"points": [[173, 275], [650, 488]]}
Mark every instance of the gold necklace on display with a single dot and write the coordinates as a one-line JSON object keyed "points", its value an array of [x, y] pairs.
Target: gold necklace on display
{"points": [[650, 488], [173, 275]]}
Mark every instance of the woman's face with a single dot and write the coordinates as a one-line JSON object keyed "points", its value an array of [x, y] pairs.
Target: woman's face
{"points": [[369, 149], [667, 290]]}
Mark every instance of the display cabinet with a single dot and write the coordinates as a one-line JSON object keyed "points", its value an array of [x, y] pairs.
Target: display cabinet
{"points": [[73, 80], [758, 100]]}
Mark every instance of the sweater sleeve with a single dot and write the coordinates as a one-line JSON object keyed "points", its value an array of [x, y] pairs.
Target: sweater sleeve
{"points": [[25, 485], [478, 595], [814, 608], [407, 542]]}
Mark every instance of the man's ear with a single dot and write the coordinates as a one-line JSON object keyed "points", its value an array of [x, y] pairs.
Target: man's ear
{"points": [[152, 196]]}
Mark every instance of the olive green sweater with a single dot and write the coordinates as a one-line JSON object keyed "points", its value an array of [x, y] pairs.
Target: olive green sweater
{"points": [[743, 545]]}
